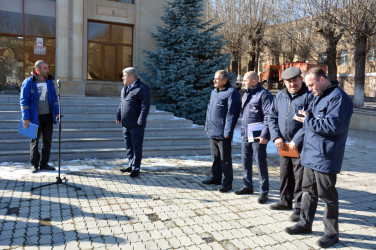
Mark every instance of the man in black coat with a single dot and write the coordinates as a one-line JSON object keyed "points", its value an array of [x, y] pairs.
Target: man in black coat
{"points": [[283, 128], [133, 111]]}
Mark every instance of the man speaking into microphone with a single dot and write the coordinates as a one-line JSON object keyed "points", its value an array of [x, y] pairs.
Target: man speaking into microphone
{"points": [[39, 105]]}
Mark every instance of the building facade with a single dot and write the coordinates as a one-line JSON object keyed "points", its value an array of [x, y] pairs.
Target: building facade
{"points": [[87, 43]]}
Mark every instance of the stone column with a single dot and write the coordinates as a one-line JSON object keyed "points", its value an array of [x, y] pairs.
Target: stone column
{"points": [[77, 40], [62, 27]]}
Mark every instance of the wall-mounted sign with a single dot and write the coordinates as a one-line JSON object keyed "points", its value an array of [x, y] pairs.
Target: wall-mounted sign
{"points": [[39, 42], [39, 50]]}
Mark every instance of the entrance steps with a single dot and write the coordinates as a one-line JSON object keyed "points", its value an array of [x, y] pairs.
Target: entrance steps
{"points": [[89, 131]]}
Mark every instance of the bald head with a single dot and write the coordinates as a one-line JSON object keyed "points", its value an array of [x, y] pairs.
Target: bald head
{"points": [[250, 80]]}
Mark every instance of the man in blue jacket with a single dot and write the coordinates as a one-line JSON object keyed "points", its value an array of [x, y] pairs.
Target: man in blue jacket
{"points": [[325, 124], [39, 105], [133, 111], [221, 117], [283, 127], [256, 102]]}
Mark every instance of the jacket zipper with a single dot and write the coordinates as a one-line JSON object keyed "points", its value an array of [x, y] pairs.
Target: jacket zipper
{"points": [[211, 108], [286, 123]]}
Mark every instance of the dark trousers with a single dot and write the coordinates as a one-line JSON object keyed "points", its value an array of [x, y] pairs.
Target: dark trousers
{"points": [[133, 140], [45, 130], [319, 185], [222, 161], [248, 149], [291, 177]]}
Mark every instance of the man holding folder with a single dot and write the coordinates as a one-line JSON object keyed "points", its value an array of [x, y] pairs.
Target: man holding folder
{"points": [[39, 105], [255, 134], [283, 128]]}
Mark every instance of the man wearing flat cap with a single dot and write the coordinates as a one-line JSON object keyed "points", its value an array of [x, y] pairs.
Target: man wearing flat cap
{"points": [[283, 128]]}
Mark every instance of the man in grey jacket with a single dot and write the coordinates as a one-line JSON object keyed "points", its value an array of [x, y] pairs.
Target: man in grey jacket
{"points": [[221, 117], [325, 124]]}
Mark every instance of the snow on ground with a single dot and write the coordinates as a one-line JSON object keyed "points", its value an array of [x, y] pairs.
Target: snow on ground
{"points": [[270, 148], [17, 170]]}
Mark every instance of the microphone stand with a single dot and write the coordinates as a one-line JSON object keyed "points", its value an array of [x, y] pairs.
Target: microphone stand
{"points": [[58, 178]]}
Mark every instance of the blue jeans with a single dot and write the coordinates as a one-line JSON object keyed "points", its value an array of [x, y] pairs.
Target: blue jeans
{"points": [[133, 140], [248, 149]]}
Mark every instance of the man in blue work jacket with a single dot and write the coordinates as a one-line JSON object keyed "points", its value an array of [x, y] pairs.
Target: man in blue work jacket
{"points": [[283, 128], [221, 117], [326, 124], [39, 105], [256, 102]]}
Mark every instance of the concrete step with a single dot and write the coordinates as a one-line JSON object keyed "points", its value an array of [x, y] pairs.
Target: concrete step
{"points": [[117, 142], [110, 153], [108, 132], [110, 123], [73, 100], [89, 131], [76, 108], [88, 115], [69, 108]]}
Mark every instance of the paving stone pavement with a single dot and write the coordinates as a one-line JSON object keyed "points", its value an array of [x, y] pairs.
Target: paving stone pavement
{"points": [[167, 207]]}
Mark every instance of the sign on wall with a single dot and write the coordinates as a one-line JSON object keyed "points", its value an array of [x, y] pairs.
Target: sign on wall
{"points": [[39, 49]]}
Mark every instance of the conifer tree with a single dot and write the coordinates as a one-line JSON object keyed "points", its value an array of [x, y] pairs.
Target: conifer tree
{"points": [[188, 53]]}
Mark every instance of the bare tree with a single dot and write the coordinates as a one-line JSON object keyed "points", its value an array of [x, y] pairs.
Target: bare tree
{"points": [[290, 25], [325, 23], [358, 19], [258, 16], [231, 14]]}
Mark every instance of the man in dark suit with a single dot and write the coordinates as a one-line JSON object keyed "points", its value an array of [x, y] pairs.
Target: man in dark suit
{"points": [[133, 111]]}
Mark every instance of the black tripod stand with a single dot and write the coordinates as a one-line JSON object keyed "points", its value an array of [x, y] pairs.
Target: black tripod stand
{"points": [[58, 178]]}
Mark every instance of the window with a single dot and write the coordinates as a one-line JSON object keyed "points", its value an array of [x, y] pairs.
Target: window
{"points": [[306, 32], [322, 58], [110, 48], [343, 57], [27, 34], [372, 54], [39, 19], [11, 17], [123, 1]]}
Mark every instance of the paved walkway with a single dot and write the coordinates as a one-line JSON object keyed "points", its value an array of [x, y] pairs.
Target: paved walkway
{"points": [[167, 207]]}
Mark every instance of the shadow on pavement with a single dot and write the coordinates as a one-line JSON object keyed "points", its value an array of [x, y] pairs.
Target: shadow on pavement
{"points": [[38, 234], [38, 209]]}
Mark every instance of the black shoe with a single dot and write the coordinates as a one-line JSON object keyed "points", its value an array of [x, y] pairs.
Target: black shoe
{"points": [[295, 216], [33, 169], [134, 173], [244, 190], [279, 206], [212, 181], [298, 229], [328, 241], [263, 198], [225, 189], [125, 170], [46, 167]]}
